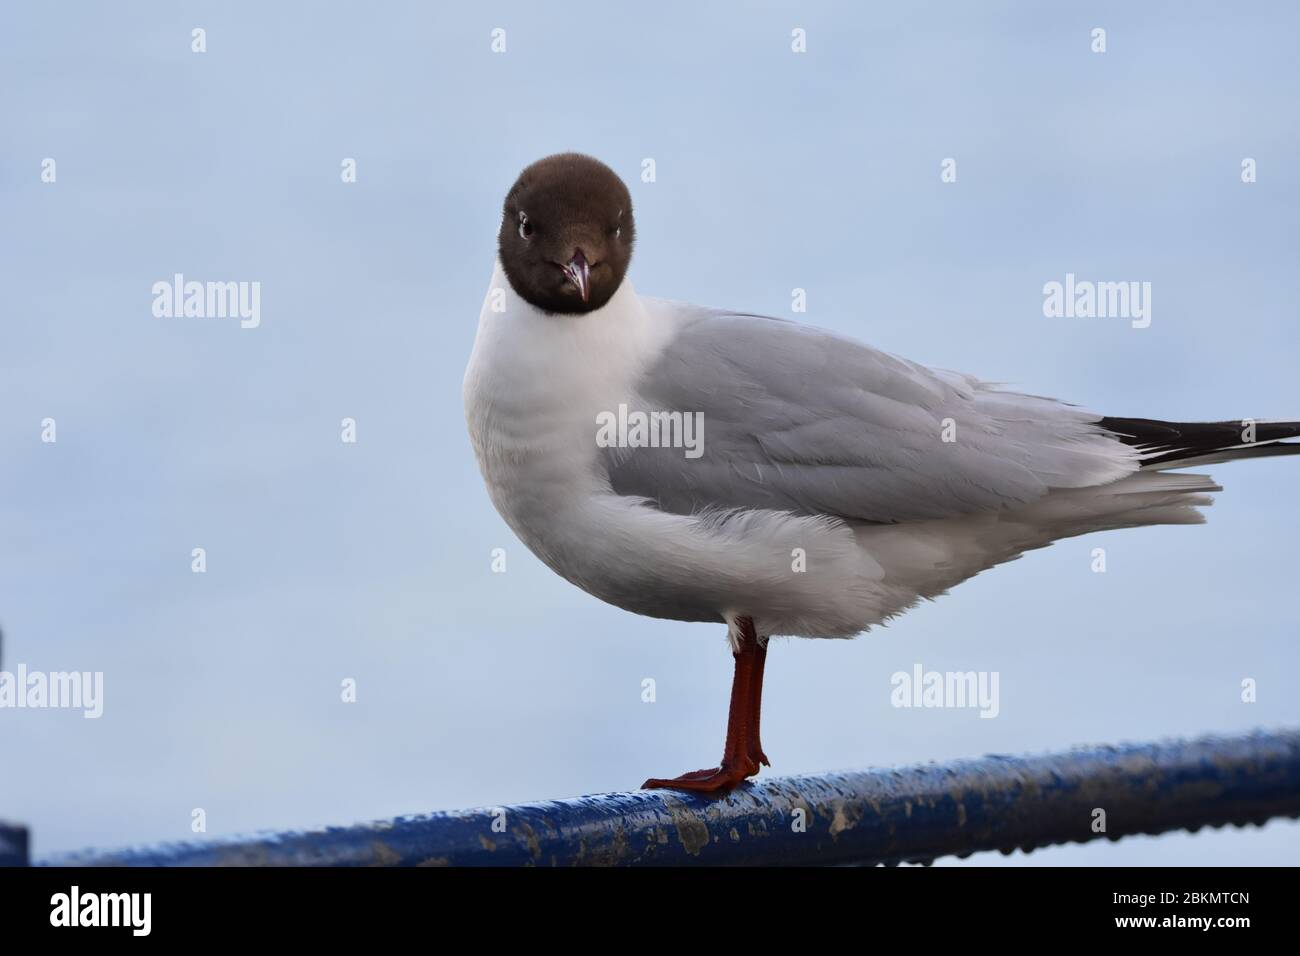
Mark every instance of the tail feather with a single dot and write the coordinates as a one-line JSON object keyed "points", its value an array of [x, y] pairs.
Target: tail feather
{"points": [[1176, 444]]}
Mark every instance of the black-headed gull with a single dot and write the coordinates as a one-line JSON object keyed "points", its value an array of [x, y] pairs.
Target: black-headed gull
{"points": [[702, 465]]}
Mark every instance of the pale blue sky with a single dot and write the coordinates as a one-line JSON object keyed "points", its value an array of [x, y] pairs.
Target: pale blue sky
{"points": [[775, 170]]}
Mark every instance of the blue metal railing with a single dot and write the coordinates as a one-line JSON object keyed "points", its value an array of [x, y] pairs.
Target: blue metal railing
{"points": [[13, 845], [883, 816]]}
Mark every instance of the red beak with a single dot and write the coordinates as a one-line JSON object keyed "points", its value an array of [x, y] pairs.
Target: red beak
{"points": [[579, 273]]}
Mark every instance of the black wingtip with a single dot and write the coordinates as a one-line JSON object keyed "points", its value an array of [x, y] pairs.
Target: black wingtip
{"points": [[1162, 442]]}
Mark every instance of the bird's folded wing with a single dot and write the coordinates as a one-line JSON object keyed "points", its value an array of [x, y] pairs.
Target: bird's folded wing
{"points": [[798, 419]]}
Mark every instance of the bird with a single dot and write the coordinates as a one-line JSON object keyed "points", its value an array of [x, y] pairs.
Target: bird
{"points": [[828, 486]]}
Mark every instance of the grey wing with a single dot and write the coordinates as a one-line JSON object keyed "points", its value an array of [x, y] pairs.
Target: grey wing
{"points": [[798, 419]]}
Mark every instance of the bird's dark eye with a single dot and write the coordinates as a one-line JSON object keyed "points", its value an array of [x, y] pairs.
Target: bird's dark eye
{"points": [[525, 227], [616, 231]]}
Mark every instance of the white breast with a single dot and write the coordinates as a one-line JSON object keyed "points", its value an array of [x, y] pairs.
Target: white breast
{"points": [[533, 390], [536, 382]]}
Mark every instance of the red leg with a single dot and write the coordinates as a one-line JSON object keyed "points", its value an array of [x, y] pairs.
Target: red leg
{"points": [[756, 701], [742, 753]]}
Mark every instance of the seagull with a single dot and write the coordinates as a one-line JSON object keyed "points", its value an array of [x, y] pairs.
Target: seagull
{"points": [[827, 486]]}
